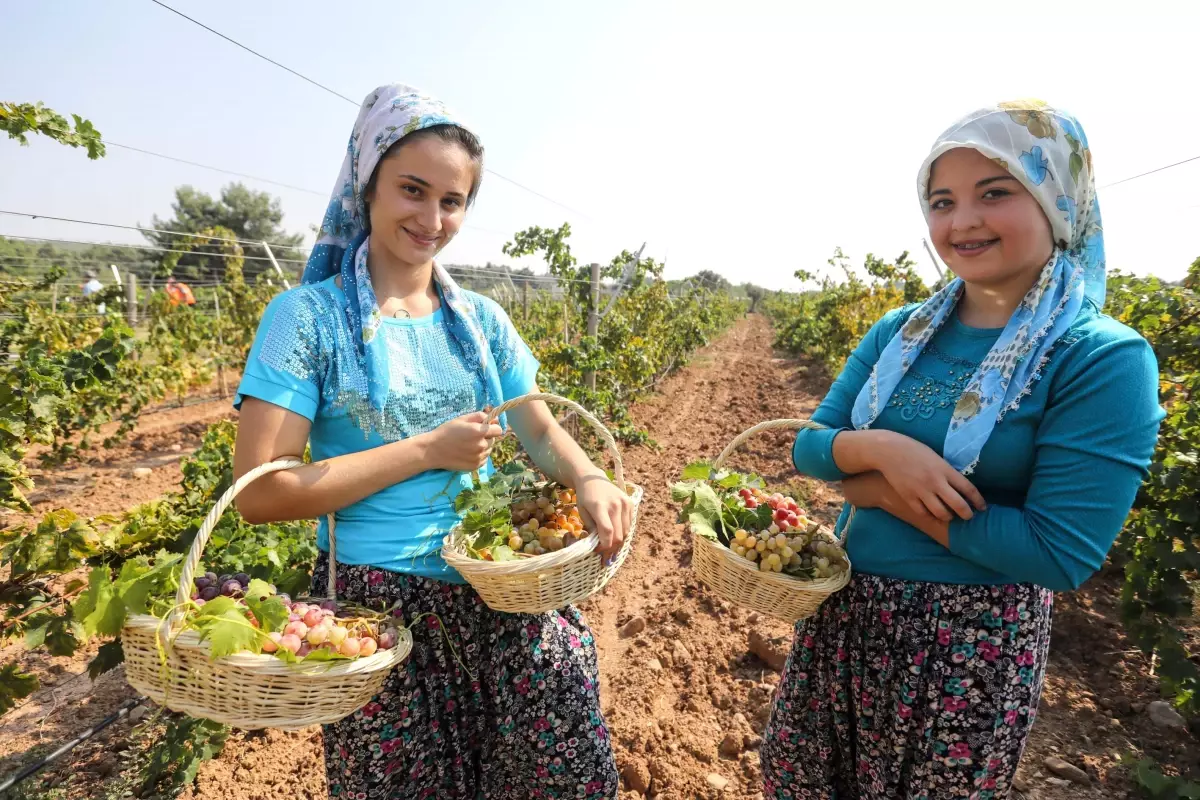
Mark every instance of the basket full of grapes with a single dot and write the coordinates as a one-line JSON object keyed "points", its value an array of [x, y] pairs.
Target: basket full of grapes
{"points": [[756, 548], [522, 544], [234, 650]]}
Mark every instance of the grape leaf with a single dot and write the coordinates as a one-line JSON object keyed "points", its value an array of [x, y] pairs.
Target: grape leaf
{"points": [[98, 609], [258, 588], [109, 656], [294, 582], [139, 580], [271, 613], [14, 685], [481, 524], [503, 552], [227, 631], [318, 654], [697, 471], [701, 507], [63, 636]]}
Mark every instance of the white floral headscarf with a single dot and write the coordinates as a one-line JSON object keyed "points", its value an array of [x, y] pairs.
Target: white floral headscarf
{"points": [[1047, 151]]}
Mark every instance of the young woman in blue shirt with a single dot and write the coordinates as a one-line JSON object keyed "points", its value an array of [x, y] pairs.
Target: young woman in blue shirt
{"points": [[992, 440], [385, 366]]}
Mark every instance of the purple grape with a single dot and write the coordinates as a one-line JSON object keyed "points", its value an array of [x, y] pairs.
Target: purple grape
{"points": [[211, 577], [304, 650], [200, 602], [243, 579], [202, 583], [329, 605], [224, 579], [387, 639], [209, 593], [230, 587]]}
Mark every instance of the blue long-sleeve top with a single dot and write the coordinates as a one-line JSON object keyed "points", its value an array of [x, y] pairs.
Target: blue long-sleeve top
{"points": [[1059, 473]]}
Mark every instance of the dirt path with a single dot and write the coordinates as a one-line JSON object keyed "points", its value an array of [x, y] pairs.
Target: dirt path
{"points": [[685, 697]]}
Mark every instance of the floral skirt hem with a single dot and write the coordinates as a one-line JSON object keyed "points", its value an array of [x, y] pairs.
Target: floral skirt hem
{"points": [[907, 689]]}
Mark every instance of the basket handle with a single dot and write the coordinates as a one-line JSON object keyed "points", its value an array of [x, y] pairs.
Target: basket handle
{"points": [[775, 425], [183, 593], [609, 442]]}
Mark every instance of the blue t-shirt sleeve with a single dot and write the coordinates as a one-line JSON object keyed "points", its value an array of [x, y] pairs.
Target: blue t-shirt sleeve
{"points": [[515, 362], [812, 453], [285, 362], [1088, 465]]}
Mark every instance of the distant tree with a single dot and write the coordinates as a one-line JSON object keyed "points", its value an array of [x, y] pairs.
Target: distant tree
{"points": [[755, 294], [710, 280], [249, 214]]}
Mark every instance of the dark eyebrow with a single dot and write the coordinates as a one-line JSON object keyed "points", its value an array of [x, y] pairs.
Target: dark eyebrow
{"points": [[979, 185], [428, 185], [988, 181]]}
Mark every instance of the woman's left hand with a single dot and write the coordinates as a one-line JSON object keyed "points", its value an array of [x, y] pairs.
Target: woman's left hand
{"points": [[606, 511]]}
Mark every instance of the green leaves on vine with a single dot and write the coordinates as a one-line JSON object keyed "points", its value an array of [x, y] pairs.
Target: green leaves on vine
{"points": [[18, 119]]}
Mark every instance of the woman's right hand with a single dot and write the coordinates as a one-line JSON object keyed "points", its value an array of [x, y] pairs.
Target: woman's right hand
{"points": [[925, 481], [464, 443]]}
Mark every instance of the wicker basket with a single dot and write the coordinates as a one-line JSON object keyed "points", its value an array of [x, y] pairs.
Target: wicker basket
{"points": [[739, 581], [247, 690], [553, 580]]}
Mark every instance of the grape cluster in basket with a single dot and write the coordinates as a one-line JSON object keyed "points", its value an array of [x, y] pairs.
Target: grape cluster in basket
{"points": [[791, 543], [238, 614], [518, 514], [546, 522], [769, 530]]}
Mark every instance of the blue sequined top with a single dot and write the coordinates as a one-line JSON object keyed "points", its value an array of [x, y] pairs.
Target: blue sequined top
{"points": [[1059, 473], [303, 359]]}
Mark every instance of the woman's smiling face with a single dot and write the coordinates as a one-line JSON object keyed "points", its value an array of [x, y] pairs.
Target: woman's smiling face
{"points": [[418, 198], [985, 224]]}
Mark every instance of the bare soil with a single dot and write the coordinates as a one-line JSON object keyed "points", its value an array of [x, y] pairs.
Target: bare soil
{"points": [[699, 671]]}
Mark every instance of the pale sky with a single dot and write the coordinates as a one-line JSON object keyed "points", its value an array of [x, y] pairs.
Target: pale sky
{"points": [[749, 138]]}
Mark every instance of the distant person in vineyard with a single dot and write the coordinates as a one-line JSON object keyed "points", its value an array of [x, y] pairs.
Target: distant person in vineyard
{"points": [[992, 439], [385, 365], [179, 293], [91, 286]]}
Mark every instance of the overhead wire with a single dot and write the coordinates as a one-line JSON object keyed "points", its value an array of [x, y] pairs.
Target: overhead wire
{"points": [[354, 103], [1150, 172]]}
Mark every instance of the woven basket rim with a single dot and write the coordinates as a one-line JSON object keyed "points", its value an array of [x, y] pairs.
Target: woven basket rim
{"points": [[733, 561], [454, 555], [266, 664]]}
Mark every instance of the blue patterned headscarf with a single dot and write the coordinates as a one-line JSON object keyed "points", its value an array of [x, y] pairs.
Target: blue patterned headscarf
{"points": [[388, 114], [1047, 151]]}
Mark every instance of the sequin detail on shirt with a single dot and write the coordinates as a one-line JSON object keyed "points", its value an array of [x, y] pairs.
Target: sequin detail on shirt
{"points": [[432, 379]]}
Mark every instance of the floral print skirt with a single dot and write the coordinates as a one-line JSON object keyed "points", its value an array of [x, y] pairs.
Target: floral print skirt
{"points": [[488, 705], [907, 689]]}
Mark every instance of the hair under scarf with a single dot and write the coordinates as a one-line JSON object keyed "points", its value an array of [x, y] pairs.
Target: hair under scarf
{"points": [[387, 115], [1046, 150]]}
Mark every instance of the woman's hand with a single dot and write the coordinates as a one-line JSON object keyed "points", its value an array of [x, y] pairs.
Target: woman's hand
{"points": [[925, 481], [869, 490], [872, 490], [606, 511], [463, 444]]}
